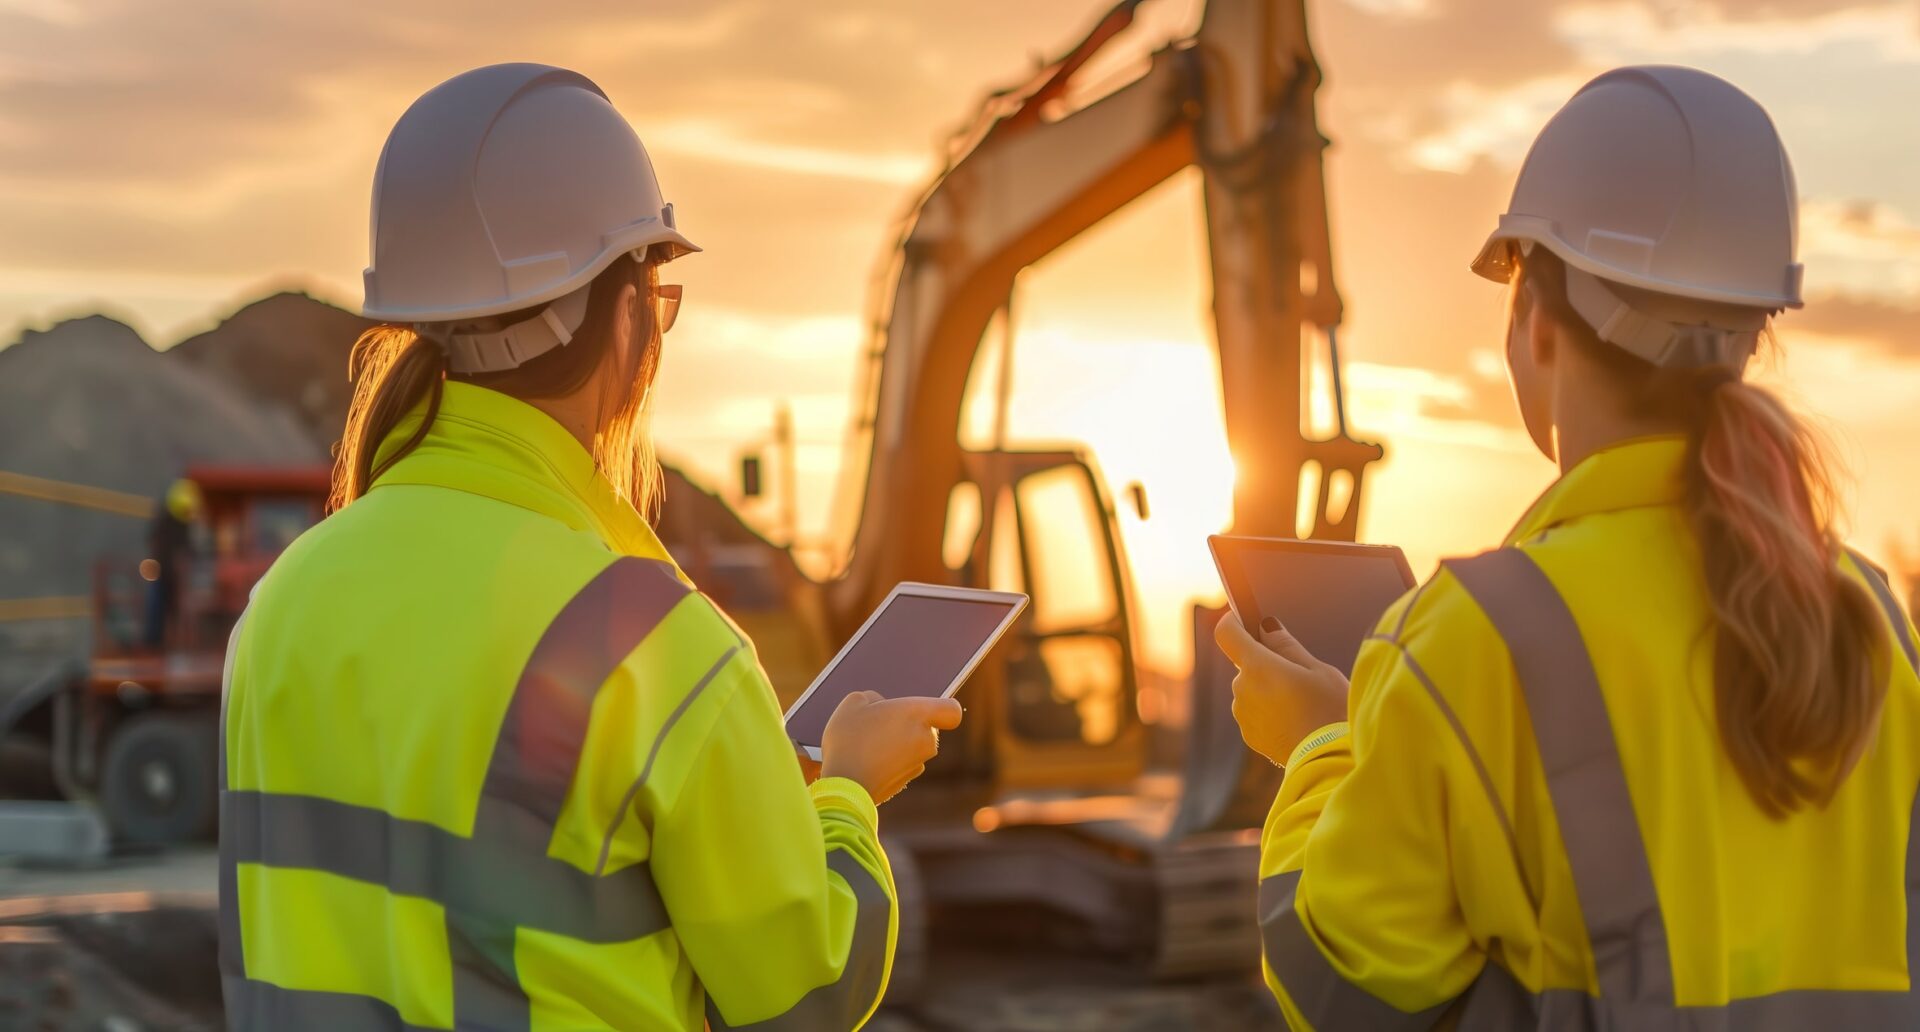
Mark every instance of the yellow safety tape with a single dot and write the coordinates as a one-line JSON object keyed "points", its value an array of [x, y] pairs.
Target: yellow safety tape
{"points": [[117, 502], [54, 608]]}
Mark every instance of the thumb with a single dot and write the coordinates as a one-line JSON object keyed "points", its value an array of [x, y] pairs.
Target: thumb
{"points": [[1234, 640], [1281, 642]]}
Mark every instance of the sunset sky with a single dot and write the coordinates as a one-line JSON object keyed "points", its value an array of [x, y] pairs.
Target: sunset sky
{"points": [[167, 162]]}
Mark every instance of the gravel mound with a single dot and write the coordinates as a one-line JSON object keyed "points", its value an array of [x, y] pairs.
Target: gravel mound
{"points": [[89, 402]]}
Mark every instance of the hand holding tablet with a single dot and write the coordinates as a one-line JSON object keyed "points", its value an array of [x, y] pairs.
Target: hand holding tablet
{"points": [[884, 743], [1300, 611], [885, 695]]}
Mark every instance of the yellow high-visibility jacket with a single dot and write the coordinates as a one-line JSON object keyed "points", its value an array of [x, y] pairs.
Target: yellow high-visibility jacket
{"points": [[1528, 819], [491, 763]]}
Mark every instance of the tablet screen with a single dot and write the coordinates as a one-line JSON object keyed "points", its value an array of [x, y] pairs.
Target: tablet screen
{"points": [[1329, 600], [917, 645]]}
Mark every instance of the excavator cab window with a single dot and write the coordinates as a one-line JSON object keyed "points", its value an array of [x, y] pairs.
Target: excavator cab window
{"points": [[1068, 666]]}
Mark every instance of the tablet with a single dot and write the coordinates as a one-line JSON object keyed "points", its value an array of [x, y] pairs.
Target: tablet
{"points": [[923, 640], [1329, 594]]}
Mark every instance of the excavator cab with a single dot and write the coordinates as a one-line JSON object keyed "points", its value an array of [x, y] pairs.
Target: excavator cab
{"points": [[1060, 693]]}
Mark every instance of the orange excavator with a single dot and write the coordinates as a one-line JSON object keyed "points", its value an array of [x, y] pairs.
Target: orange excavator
{"points": [[1044, 802]]}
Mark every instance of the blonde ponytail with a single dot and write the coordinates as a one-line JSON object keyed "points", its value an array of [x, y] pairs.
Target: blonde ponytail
{"points": [[1800, 650], [1799, 657], [392, 368]]}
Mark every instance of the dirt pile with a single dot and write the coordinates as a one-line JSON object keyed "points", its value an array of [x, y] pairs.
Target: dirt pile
{"points": [[89, 402], [287, 352]]}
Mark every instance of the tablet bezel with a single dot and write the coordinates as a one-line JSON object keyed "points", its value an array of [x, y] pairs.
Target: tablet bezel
{"points": [[1222, 545], [1016, 601]]}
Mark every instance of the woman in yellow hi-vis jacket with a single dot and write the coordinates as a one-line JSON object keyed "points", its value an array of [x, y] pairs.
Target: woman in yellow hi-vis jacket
{"points": [[490, 762], [1655, 763]]}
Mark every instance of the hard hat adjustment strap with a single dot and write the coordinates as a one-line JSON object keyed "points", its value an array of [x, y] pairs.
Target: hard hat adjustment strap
{"points": [[1663, 343], [490, 351]]}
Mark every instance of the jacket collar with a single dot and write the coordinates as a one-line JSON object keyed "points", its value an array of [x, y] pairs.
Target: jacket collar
{"points": [[486, 443], [1633, 474]]}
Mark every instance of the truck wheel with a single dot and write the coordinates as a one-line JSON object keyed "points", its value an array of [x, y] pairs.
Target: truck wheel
{"points": [[158, 782]]}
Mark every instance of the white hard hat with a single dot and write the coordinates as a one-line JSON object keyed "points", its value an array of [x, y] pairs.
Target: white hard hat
{"points": [[501, 189], [1668, 194]]}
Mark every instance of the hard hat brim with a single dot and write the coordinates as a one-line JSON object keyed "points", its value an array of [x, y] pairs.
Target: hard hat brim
{"points": [[1494, 262], [636, 241]]}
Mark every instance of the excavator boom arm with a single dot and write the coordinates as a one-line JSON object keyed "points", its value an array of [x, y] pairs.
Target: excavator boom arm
{"points": [[1236, 99]]}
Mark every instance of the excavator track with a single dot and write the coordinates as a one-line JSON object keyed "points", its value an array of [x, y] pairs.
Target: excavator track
{"points": [[1205, 887]]}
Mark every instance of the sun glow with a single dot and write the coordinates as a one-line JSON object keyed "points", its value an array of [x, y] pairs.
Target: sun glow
{"points": [[1148, 411]]}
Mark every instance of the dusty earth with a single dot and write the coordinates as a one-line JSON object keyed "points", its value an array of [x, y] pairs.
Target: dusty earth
{"points": [[128, 946]]}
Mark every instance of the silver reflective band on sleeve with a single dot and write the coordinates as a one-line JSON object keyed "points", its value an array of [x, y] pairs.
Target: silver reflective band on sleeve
{"points": [[626, 801], [535, 756], [839, 1004], [1589, 793], [1325, 998], [538, 748]]}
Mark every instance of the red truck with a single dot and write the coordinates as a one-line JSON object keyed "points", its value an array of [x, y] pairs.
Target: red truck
{"points": [[136, 728]]}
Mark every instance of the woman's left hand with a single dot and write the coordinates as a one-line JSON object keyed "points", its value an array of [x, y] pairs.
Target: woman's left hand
{"points": [[1282, 694]]}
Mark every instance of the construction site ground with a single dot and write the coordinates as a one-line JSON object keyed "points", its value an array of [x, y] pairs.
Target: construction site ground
{"points": [[127, 945]]}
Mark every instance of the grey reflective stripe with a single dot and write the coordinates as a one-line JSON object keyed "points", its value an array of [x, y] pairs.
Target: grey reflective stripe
{"points": [[1499, 1003], [1325, 998], [1913, 910], [1564, 702], [501, 878], [538, 748], [486, 986], [253, 1004], [534, 760], [1611, 873], [414, 858], [231, 961], [843, 1002], [1902, 631]]}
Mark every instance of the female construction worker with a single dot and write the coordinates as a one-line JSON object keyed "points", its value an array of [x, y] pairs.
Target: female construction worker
{"points": [[490, 761], [1653, 764]]}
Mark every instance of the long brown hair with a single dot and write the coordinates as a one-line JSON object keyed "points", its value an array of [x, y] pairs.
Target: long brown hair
{"points": [[1800, 651], [395, 369]]}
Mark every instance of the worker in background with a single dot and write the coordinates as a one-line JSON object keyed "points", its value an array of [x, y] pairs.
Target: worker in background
{"points": [[490, 761], [1654, 763], [169, 549]]}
